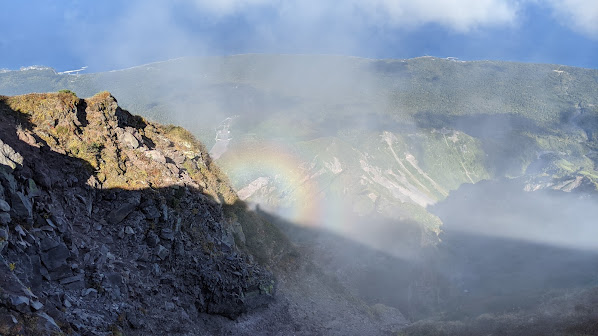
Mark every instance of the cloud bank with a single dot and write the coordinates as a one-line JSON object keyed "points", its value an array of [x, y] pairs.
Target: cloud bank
{"points": [[579, 15], [458, 15], [152, 30]]}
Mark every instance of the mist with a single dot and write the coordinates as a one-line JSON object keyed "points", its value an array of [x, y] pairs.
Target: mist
{"points": [[327, 145], [445, 187]]}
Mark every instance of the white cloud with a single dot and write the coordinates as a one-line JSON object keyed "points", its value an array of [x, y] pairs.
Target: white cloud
{"points": [[148, 30], [459, 15], [227, 7], [579, 15]]}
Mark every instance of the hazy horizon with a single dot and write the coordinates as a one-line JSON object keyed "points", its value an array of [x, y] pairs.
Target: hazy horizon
{"points": [[114, 35]]}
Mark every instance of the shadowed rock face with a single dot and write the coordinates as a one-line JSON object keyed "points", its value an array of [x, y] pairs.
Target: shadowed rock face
{"points": [[111, 223], [114, 224]]}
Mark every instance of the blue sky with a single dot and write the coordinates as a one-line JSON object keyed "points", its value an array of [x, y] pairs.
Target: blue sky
{"points": [[106, 35]]}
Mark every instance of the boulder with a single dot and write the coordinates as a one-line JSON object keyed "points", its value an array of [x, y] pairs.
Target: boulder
{"points": [[36, 305], [9, 179], [21, 205], [47, 243], [56, 257], [32, 189], [49, 324], [177, 157], [120, 213], [152, 239], [151, 212], [4, 218], [130, 140], [20, 303], [8, 156], [167, 234], [4, 206], [162, 252], [156, 269], [42, 176], [238, 231], [73, 282], [58, 223], [35, 275], [156, 156], [89, 292], [20, 231]]}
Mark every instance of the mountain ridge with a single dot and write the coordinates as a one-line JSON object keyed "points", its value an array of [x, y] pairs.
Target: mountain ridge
{"points": [[112, 224], [458, 121], [357, 155], [76, 201]]}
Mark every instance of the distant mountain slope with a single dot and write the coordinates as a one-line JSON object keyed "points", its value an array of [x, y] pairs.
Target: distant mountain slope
{"points": [[403, 87], [374, 137]]}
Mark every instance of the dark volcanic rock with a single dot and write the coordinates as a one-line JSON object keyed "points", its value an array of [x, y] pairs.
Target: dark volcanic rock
{"points": [[36, 305], [4, 218], [20, 303], [167, 234], [152, 239], [21, 205], [84, 255], [56, 257], [4, 206], [162, 252], [151, 212], [47, 243], [119, 214]]}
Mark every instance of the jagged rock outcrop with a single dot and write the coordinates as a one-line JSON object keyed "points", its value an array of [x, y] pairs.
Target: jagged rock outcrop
{"points": [[111, 223]]}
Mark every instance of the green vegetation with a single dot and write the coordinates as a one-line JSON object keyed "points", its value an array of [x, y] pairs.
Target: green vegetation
{"points": [[451, 123], [395, 88], [67, 91]]}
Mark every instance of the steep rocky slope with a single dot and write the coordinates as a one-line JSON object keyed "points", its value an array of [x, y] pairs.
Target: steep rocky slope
{"points": [[111, 225]]}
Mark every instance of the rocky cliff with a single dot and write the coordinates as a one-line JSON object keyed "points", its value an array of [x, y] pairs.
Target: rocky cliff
{"points": [[110, 223]]}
